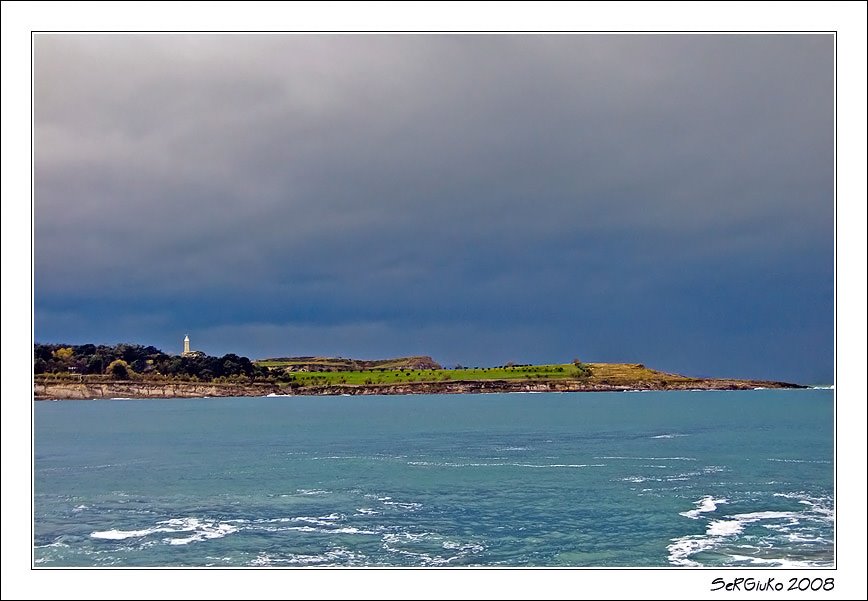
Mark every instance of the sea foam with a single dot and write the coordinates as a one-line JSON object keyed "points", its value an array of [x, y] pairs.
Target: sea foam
{"points": [[198, 529], [706, 504]]}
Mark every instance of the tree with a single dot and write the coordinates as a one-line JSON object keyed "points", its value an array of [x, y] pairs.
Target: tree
{"points": [[119, 369], [584, 371], [63, 354]]}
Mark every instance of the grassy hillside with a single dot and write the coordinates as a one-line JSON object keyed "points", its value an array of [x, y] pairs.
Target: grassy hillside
{"points": [[604, 373], [630, 373], [386, 375]]}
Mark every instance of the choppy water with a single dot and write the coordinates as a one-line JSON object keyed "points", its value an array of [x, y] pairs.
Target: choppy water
{"points": [[581, 479]]}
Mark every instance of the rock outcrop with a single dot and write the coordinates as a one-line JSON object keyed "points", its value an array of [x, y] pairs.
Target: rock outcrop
{"points": [[132, 389], [145, 390]]}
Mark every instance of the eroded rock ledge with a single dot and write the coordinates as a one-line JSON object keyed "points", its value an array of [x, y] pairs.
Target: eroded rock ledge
{"points": [[164, 390]]}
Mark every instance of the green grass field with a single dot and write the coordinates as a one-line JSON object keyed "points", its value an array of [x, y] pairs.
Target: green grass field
{"points": [[609, 373], [402, 376]]}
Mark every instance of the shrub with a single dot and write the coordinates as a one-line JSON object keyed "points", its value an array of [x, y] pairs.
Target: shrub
{"points": [[119, 369]]}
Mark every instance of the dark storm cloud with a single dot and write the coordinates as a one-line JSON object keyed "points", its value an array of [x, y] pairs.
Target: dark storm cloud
{"points": [[480, 198]]}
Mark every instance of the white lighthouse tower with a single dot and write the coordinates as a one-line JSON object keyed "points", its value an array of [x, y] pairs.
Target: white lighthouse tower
{"points": [[187, 352]]}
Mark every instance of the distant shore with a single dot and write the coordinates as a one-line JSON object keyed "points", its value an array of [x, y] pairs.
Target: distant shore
{"points": [[68, 390]]}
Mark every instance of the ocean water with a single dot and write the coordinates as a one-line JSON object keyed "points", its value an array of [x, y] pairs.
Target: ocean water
{"points": [[576, 479]]}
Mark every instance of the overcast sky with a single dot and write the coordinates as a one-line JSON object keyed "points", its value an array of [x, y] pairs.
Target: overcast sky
{"points": [[532, 198]]}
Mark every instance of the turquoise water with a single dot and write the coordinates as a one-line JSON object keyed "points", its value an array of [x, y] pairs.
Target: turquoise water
{"points": [[577, 479]]}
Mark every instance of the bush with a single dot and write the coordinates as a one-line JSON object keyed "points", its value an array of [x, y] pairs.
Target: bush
{"points": [[119, 369]]}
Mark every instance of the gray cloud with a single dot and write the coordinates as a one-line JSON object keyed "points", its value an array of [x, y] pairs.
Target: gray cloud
{"points": [[321, 180]]}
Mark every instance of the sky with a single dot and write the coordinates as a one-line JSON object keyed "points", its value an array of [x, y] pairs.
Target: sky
{"points": [[657, 199]]}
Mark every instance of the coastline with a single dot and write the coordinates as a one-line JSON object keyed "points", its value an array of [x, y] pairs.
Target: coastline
{"points": [[45, 390]]}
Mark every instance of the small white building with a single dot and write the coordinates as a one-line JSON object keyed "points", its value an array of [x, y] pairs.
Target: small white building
{"points": [[187, 352]]}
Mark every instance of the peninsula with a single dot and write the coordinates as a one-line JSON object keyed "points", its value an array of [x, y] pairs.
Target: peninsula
{"points": [[133, 371]]}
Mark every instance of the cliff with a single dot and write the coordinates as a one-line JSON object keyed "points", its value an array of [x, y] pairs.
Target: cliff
{"points": [[129, 389], [144, 390]]}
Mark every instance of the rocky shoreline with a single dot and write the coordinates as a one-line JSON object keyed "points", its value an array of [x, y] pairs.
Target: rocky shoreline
{"points": [[46, 390]]}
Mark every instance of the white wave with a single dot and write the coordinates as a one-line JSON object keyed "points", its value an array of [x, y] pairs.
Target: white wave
{"points": [[766, 515], [342, 457], [735, 524], [410, 506], [403, 543], [799, 538], [798, 460], [397, 537], [706, 504], [323, 520], [327, 558], [121, 398], [295, 528], [822, 506], [328, 524], [682, 477], [421, 546], [463, 548], [55, 543], [201, 530], [509, 464], [79, 508], [648, 458], [724, 528], [122, 534], [206, 532], [560, 465], [312, 491], [274, 394], [829, 387], [682, 549], [512, 448], [351, 530], [780, 562], [803, 496], [721, 532], [674, 435], [323, 530], [367, 511]]}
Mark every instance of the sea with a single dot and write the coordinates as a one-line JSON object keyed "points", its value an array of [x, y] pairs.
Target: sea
{"points": [[635, 479]]}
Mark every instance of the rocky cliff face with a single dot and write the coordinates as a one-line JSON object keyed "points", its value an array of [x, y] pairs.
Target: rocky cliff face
{"points": [[460, 387], [164, 390], [144, 390]]}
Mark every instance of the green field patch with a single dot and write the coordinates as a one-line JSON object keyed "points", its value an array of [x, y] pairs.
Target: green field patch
{"points": [[387, 376]]}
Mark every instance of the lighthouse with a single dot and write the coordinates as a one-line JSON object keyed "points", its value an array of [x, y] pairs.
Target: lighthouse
{"points": [[187, 352]]}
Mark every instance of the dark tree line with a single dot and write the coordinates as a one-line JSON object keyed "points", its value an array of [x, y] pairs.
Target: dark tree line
{"points": [[130, 359]]}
